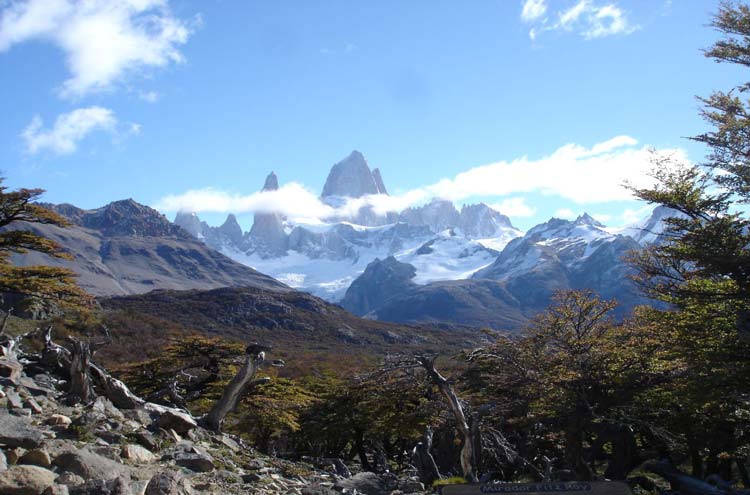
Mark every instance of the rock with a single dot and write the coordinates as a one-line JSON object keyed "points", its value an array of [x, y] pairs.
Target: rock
{"points": [[59, 420], [411, 486], [366, 483], [13, 455], [200, 463], [137, 454], [89, 465], [178, 421], [34, 406], [26, 480], [168, 483], [57, 490], [10, 369], [146, 439], [36, 457], [104, 406], [3, 462], [14, 400], [26, 413], [228, 442], [140, 415], [251, 478], [17, 432], [69, 479], [117, 486]]}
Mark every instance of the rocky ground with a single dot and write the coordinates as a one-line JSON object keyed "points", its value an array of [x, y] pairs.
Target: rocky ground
{"points": [[48, 447]]}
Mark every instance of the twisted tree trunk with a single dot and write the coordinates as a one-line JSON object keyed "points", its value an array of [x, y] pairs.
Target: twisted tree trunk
{"points": [[254, 357], [81, 389], [467, 438]]}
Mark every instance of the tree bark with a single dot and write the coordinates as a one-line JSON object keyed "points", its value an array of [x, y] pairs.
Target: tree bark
{"points": [[425, 463], [467, 447], [81, 388], [236, 388]]}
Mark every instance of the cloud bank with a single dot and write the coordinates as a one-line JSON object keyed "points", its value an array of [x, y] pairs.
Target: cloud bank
{"points": [[68, 130], [586, 176], [103, 40], [586, 18]]}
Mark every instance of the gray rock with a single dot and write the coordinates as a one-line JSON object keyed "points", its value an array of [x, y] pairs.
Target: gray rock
{"points": [[26, 480], [146, 439], [178, 421], [69, 479], [117, 486], [17, 432], [33, 405], [59, 420], [200, 463], [3, 462], [137, 454], [36, 457], [90, 465], [168, 483], [366, 483], [105, 407], [57, 490], [10, 369], [14, 400]]}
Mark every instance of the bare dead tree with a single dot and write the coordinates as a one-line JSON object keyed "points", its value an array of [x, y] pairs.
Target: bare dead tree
{"points": [[427, 363], [255, 355], [423, 460]]}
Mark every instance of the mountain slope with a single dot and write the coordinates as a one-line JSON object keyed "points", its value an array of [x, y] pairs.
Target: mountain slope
{"points": [[128, 248]]}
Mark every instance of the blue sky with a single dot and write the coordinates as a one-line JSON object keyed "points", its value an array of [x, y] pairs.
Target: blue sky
{"points": [[152, 99]]}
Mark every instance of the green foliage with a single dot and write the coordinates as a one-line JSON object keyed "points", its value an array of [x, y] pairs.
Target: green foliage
{"points": [[453, 480], [36, 284]]}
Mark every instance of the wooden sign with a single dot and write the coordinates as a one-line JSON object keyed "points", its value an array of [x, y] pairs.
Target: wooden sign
{"points": [[566, 488]]}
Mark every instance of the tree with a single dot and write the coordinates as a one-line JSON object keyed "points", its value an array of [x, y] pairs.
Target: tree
{"points": [[569, 376], [37, 284], [709, 237]]}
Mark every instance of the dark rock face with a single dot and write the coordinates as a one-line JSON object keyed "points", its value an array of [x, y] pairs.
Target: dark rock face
{"points": [[352, 177], [476, 303], [128, 218], [380, 281], [479, 220], [379, 181], [267, 236], [438, 215]]}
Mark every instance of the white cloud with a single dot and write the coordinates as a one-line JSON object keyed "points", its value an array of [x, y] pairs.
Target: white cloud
{"points": [[514, 207], [533, 10], [585, 18], [149, 96], [68, 130], [575, 173], [565, 214], [635, 215], [103, 40]]}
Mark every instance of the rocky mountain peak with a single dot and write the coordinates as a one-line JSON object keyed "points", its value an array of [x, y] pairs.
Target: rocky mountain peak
{"points": [[381, 280], [587, 219], [352, 177], [189, 221], [130, 218], [231, 229], [272, 183], [379, 181]]}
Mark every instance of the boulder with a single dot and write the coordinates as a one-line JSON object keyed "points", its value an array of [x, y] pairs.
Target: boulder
{"points": [[117, 486], [137, 454], [69, 479], [57, 490], [366, 483], [26, 480], [36, 457], [14, 400], [90, 465], [3, 462], [18, 432], [200, 463], [59, 420], [10, 369], [178, 421], [168, 483]]}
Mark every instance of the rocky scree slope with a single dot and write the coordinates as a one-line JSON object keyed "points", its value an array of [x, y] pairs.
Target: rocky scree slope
{"points": [[50, 448]]}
